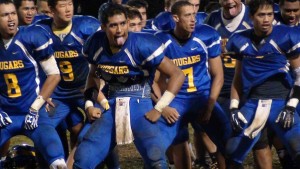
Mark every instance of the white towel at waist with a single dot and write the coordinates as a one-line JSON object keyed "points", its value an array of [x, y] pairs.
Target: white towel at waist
{"points": [[260, 118], [124, 133]]}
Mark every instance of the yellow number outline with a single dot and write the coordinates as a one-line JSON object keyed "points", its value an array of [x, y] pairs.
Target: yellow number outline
{"points": [[13, 88], [190, 74], [67, 70]]}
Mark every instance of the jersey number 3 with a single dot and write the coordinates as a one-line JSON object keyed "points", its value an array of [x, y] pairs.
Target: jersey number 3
{"points": [[13, 89], [189, 73]]}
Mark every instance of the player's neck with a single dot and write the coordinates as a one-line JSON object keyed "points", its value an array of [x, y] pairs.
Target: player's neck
{"points": [[60, 25], [114, 49], [182, 35], [263, 34]]}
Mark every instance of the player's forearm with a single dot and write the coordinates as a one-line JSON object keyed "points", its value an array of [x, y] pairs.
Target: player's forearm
{"points": [[217, 77], [49, 85], [236, 87], [91, 78], [217, 83], [175, 81]]}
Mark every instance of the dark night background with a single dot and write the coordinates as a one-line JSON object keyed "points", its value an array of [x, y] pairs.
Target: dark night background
{"points": [[90, 7]]}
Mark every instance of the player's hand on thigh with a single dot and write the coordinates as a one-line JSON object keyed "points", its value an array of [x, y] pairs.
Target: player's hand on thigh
{"points": [[93, 113], [153, 115], [237, 119], [50, 107], [170, 114], [4, 119], [286, 117]]}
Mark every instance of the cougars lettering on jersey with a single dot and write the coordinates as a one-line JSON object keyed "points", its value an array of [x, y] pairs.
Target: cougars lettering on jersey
{"points": [[130, 71], [186, 60], [73, 66], [66, 54], [116, 70], [192, 58], [14, 64], [19, 64]]}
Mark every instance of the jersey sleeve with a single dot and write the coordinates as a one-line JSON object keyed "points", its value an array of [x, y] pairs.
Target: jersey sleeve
{"points": [[232, 48], [151, 50], [88, 49], [88, 26], [214, 44], [209, 18], [38, 40], [294, 43]]}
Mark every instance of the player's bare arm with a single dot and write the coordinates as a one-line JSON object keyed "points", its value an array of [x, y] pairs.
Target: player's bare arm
{"points": [[176, 79]]}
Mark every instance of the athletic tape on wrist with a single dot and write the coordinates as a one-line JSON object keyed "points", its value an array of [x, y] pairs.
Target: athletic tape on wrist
{"points": [[38, 103], [88, 104], [293, 102], [104, 104], [164, 101], [234, 103]]}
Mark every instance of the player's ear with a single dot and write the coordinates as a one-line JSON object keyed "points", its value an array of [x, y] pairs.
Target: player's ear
{"points": [[176, 18]]}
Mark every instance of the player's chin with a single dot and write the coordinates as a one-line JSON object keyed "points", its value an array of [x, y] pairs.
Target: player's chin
{"points": [[190, 28]]}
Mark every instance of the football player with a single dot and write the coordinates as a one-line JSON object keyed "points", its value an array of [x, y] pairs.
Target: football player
{"points": [[27, 54]]}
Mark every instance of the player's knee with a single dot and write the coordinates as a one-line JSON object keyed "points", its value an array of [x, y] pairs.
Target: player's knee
{"points": [[58, 164]]}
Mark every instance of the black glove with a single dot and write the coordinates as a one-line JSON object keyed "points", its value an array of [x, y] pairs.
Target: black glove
{"points": [[286, 117], [236, 119]]}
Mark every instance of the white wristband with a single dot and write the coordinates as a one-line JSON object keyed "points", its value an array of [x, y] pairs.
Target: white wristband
{"points": [[38, 103], [234, 103], [88, 104], [164, 101], [293, 102], [104, 104]]}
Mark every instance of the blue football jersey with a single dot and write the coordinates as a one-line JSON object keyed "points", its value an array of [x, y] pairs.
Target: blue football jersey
{"points": [[226, 28], [38, 17], [192, 58], [260, 63], [164, 20], [149, 24], [68, 54], [20, 74], [135, 63]]}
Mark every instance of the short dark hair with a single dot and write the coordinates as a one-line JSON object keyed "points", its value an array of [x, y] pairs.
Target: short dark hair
{"points": [[175, 9], [110, 10], [281, 2], [138, 4], [254, 5], [19, 2], [133, 13], [52, 3], [6, 2]]}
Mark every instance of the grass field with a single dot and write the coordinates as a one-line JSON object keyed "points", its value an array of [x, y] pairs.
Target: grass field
{"points": [[130, 159]]}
